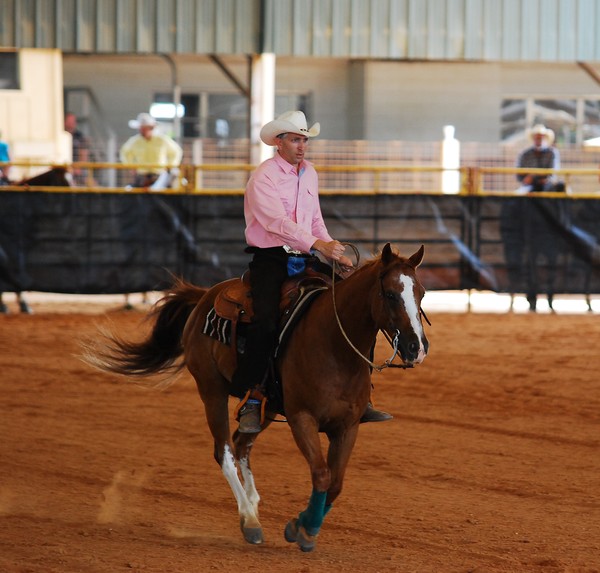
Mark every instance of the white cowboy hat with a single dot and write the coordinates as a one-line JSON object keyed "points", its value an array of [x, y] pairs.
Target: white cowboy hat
{"points": [[288, 122], [541, 129], [143, 119]]}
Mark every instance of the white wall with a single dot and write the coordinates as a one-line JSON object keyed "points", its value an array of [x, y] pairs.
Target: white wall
{"points": [[125, 85], [413, 101], [376, 100], [32, 116]]}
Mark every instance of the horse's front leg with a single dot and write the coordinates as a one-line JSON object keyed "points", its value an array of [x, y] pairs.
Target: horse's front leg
{"points": [[304, 529], [340, 449]]}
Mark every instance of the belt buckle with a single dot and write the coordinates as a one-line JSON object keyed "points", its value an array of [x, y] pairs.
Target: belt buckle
{"points": [[291, 251]]}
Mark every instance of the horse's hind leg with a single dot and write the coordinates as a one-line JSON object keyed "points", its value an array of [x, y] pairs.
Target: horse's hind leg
{"points": [[209, 362], [217, 415], [247, 506], [243, 446]]}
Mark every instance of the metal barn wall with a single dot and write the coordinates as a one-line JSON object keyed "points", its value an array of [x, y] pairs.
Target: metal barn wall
{"points": [[485, 30], [132, 26], [490, 30]]}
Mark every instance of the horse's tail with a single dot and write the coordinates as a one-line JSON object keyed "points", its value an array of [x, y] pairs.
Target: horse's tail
{"points": [[161, 351]]}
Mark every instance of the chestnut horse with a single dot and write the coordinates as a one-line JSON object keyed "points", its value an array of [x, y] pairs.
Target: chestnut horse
{"points": [[324, 369]]}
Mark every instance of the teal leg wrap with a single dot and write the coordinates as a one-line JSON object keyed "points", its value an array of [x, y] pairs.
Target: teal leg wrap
{"points": [[312, 517]]}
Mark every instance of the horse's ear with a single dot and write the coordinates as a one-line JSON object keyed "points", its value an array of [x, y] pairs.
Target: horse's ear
{"points": [[387, 254], [416, 259]]}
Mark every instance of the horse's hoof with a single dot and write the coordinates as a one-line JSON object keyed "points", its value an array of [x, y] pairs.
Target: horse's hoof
{"points": [[291, 531], [305, 541], [295, 534], [253, 535]]}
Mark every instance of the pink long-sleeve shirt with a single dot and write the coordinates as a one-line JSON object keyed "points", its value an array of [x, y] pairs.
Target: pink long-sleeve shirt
{"points": [[282, 207]]}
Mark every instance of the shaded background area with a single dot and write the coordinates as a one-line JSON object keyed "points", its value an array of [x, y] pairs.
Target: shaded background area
{"points": [[94, 243]]}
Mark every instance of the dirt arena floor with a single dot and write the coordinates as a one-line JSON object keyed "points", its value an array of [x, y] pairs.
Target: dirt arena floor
{"points": [[491, 464]]}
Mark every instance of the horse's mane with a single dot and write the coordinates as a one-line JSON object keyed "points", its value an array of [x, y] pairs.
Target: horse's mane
{"points": [[375, 259], [396, 260]]}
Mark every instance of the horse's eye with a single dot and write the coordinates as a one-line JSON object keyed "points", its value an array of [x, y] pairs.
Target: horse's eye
{"points": [[392, 296]]}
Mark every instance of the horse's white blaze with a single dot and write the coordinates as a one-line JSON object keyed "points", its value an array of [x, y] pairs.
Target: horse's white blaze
{"points": [[245, 507], [412, 310]]}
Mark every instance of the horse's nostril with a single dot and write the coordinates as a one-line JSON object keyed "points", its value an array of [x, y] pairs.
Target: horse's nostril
{"points": [[413, 348]]}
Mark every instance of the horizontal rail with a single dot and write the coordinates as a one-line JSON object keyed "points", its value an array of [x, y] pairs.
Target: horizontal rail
{"points": [[334, 179]]}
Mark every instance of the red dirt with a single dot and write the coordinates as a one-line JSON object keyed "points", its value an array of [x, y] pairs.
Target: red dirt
{"points": [[491, 463]]}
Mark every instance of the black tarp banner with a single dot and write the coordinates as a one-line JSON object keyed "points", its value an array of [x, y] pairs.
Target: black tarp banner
{"points": [[93, 243]]}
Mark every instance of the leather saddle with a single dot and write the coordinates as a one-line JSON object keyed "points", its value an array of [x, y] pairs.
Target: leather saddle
{"points": [[233, 310], [234, 302]]}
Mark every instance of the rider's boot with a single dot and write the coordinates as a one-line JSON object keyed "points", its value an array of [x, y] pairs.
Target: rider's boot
{"points": [[249, 378], [372, 415], [250, 412], [249, 417]]}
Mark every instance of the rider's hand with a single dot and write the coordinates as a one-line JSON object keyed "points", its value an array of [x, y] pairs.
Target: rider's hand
{"points": [[331, 250], [345, 263]]}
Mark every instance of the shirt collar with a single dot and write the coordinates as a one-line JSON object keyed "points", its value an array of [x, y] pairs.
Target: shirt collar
{"points": [[287, 167]]}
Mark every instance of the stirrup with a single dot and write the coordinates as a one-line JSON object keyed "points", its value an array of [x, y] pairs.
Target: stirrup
{"points": [[249, 417], [250, 412]]}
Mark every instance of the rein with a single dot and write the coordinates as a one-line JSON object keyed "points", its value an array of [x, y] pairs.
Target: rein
{"points": [[394, 341]]}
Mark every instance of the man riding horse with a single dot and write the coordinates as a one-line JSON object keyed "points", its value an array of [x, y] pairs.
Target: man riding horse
{"points": [[283, 224]]}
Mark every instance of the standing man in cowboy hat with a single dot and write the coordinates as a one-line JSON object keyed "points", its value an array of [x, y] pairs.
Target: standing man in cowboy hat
{"points": [[283, 219], [156, 153], [529, 233], [541, 155]]}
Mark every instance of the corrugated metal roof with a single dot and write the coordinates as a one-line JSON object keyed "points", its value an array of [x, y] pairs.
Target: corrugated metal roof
{"points": [[486, 30], [133, 26], [492, 30]]}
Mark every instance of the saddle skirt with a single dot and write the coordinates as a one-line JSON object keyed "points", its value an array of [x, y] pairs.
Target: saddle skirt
{"points": [[233, 305]]}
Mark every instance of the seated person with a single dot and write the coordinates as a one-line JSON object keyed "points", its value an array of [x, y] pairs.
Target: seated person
{"points": [[157, 154]]}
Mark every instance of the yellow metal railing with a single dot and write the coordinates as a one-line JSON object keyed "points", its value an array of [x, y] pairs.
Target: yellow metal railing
{"points": [[581, 183], [333, 179]]}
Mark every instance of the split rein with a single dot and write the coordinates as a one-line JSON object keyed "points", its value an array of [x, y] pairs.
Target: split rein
{"points": [[393, 340]]}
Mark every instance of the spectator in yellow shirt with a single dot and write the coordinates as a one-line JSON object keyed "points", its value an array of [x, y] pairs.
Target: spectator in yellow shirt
{"points": [[157, 154]]}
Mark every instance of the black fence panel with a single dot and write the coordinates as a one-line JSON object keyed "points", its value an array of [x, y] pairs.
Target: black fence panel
{"points": [[537, 245], [112, 242]]}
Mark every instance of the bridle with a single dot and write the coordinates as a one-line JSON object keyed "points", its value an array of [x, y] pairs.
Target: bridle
{"points": [[394, 340]]}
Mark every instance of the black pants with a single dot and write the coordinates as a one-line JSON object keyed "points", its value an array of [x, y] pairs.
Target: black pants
{"points": [[268, 271]]}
